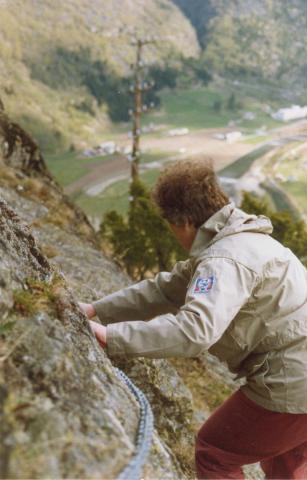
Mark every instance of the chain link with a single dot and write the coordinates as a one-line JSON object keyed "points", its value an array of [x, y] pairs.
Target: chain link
{"points": [[145, 432]]}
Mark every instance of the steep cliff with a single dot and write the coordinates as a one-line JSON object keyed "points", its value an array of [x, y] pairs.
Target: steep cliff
{"points": [[64, 411]]}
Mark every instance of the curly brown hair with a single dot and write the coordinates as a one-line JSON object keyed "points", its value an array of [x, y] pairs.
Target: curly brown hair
{"points": [[188, 191]]}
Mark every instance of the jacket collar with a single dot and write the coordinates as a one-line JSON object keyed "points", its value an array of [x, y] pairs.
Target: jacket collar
{"points": [[227, 221]]}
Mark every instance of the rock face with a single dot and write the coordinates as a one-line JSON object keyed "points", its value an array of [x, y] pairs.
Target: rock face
{"points": [[63, 410], [20, 150]]}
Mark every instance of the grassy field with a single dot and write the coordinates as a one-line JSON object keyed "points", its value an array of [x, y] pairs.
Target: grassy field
{"points": [[255, 140], [194, 108], [297, 191], [115, 197], [287, 170], [239, 167], [280, 199], [70, 166]]}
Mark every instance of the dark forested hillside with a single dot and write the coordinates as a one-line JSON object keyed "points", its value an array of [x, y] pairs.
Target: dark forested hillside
{"points": [[199, 13]]}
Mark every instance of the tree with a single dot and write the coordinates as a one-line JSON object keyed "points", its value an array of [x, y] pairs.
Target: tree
{"points": [[231, 104], [143, 242], [217, 105]]}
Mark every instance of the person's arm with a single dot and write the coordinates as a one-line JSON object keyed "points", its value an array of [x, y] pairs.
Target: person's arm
{"points": [[146, 299], [219, 289]]}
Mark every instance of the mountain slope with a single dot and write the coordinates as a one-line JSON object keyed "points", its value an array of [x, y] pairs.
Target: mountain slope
{"points": [[32, 32], [264, 38], [199, 13]]}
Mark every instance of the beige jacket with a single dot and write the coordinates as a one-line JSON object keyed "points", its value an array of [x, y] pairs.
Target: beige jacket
{"points": [[241, 295]]}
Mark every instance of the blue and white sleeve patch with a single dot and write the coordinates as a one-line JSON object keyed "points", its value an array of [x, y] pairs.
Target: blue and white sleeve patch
{"points": [[204, 285]]}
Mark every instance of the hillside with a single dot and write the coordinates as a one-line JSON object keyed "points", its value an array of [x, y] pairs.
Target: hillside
{"points": [[44, 47], [199, 14], [262, 38], [62, 62]]}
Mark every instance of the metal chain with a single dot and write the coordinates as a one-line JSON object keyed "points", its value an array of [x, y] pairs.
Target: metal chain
{"points": [[145, 432]]}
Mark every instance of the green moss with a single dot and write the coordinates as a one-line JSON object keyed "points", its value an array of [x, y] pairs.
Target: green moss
{"points": [[6, 328], [23, 302], [38, 296]]}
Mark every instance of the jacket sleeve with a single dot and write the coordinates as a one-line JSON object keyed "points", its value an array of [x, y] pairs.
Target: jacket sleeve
{"points": [[148, 298], [218, 290]]}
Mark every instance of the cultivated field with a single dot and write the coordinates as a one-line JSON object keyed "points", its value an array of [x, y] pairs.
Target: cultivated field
{"points": [[101, 183]]}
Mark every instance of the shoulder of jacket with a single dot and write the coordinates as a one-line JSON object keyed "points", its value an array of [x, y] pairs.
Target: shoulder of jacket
{"points": [[214, 253]]}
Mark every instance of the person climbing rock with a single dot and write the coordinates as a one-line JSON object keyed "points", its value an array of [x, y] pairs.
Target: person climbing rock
{"points": [[242, 296]]}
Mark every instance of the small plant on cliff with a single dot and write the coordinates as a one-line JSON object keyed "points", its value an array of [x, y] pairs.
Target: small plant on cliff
{"points": [[143, 242], [290, 232], [38, 295]]}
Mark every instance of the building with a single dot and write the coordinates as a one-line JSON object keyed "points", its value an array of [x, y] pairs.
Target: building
{"points": [[292, 113]]}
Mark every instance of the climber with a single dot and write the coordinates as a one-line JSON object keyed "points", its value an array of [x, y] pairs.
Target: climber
{"points": [[240, 295]]}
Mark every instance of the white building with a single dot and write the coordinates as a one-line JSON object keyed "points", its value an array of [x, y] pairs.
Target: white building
{"points": [[231, 137], [178, 132], [107, 148], [249, 116], [292, 113]]}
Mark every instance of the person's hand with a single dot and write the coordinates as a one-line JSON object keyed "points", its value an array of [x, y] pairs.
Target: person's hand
{"points": [[100, 333], [88, 309]]}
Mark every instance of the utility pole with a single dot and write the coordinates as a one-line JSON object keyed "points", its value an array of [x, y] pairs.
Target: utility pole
{"points": [[137, 89]]}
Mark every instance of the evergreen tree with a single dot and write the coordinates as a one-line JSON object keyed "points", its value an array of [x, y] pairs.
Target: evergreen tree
{"points": [[231, 104], [142, 243], [217, 105]]}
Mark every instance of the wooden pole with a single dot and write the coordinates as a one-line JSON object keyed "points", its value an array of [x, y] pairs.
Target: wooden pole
{"points": [[138, 105]]}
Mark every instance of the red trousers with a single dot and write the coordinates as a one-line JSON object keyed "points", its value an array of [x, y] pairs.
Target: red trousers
{"points": [[240, 432]]}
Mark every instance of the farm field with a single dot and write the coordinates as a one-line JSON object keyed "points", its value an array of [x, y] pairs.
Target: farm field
{"points": [[191, 108], [115, 197], [194, 108]]}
